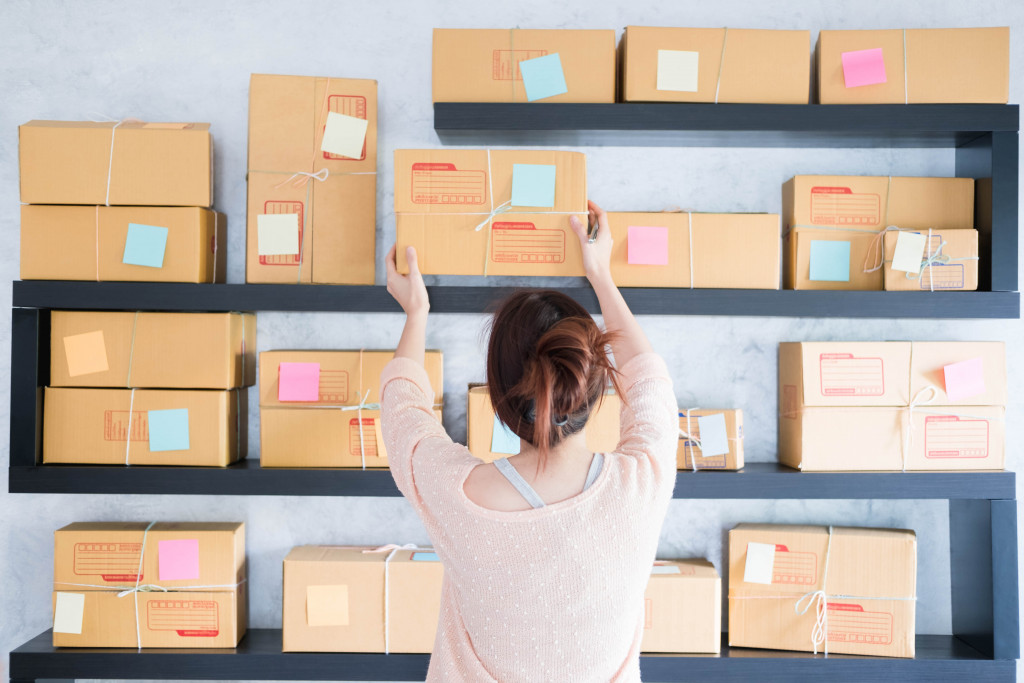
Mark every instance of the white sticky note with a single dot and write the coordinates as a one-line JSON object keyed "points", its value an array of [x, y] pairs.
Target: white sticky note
{"points": [[665, 569], [677, 70], [714, 439], [344, 135], [68, 613], [277, 234], [760, 560], [909, 252]]}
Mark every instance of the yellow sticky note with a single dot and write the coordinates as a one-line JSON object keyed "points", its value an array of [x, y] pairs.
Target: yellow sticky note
{"points": [[277, 234], [344, 135], [327, 605], [68, 613], [86, 353]]}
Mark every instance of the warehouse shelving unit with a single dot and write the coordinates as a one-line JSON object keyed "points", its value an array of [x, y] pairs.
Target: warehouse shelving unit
{"points": [[982, 509]]}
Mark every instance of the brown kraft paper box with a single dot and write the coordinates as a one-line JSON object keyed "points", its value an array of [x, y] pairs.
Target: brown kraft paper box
{"points": [[955, 266], [310, 434], [922, 66], [92, 426], [336, 209], [152, 164], [443, 195], [869, 604], [688, 449], [334, 599], [158, 350], [855, 209], [683, 608], [734, 65], [482, 65]]}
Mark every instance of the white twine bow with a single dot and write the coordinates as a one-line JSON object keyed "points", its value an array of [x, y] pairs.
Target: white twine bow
{"points": [[303, 177], [390, 549], [504, 207]]}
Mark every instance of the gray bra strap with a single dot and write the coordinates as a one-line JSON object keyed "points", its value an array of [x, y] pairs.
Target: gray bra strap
{"points": [[595, 469], [516, 479]]}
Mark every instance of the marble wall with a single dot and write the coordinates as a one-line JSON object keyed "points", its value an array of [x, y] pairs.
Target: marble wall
{"points": [[181, 60]]}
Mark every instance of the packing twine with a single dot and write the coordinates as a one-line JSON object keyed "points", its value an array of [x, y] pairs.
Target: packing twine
{"points": [[876, 255], [691, 440], [390, 549], [721, 63], [906, 96]]}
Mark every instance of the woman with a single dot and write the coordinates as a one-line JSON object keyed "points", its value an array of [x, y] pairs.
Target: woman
{"points": [[547, 554]]}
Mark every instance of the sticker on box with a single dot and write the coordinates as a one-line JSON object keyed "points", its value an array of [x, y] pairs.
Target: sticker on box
{"points": [[368, 438], [187, 618], [505, 63], [522, 242], [851, 623], [113, 561], [275, 207], [949, 436], [349, 105], [442, 183], [840, 206], [843, 374]]}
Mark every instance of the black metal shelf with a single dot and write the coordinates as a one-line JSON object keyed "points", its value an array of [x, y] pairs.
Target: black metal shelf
{"points": [[259, 657]]}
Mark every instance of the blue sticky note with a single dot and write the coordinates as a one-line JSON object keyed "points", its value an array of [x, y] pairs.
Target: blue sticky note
{"points": [[533, 185], [543, 77], [503, 440], [145, 245], [168, 430], [425, 557], [830, 260]]}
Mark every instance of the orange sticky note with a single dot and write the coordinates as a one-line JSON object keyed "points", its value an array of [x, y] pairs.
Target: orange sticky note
{"points": [[327, 605], [86, 353]]}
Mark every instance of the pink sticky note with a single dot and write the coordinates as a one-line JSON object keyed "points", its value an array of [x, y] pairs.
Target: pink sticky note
{"points": [[647, 245], [964, 379], [863, 67], [179, 560], [298, 382]]}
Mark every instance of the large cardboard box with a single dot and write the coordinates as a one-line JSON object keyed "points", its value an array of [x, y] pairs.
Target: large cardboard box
{"points": [[950, 263], [854, 209], [333, 197], [721, 65], [88, 243], [683, 608], [450, 204], [870, 588], [334, 599], [199, 565], [689, 449], [112, 426], [601, 433], [482, 65], [127, 163], [159, 350], [921, 66], [331, 431], [729, 250]]}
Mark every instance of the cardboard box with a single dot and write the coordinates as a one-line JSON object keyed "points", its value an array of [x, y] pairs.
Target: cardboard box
{"points": [[683, 608], [854, 209], [732, 65], [482, 65], [601, 433], [91, 426], [443, 195], [773, 566], [955, 264], [88, 243], [689, 449], [335, 209], [164, 350], [128, 163], [730, 250], [334, 599], [922, 66], [207, 610], [306, 433]]}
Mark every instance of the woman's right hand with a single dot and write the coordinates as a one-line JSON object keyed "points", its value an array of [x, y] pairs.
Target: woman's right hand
{"points": [[597, 255]]}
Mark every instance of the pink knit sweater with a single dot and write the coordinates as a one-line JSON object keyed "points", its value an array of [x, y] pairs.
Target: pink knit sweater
{"points": [[548, 594]]}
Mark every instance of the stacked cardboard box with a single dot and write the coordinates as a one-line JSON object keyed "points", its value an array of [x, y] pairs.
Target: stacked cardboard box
{"points": [[712, 438], [335, 599], [310, 412], [129, 201], [892, 405], [148, 388], [191, 581], [683, 608], [949, 262]]}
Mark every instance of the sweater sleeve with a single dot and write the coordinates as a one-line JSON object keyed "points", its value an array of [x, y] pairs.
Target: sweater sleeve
{"points": [[649, 423]]}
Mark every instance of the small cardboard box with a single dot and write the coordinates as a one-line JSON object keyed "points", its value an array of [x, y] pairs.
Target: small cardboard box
{"points": [[730, 250], [955, 266], [128, 163], [921, 66], [449, 204], [334, 599], [688, 448], [333, 197], [723, 65], [88, 243], [92, 426], [683, 608], [306, 433], [159, 350], [854, 209], [601, 433], [870, 589], [482, 65]]}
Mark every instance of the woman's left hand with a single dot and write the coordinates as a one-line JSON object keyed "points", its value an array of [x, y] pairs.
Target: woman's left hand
{"points": [[408, 290]]}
